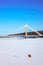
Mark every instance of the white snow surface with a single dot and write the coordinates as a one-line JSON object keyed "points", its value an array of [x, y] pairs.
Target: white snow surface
{"points": [[15, 51]]}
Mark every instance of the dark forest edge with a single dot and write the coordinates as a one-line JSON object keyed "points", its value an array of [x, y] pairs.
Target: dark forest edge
{"points": [[22, 35]]}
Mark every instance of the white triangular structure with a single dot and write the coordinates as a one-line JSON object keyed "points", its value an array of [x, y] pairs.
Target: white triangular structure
{"points": [[28, 27]]}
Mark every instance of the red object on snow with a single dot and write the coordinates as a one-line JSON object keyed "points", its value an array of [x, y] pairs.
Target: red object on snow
{"points": [[29, 55]]}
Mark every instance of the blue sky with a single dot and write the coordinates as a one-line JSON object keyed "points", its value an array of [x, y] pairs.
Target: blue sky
{"points": [[16, 13]]}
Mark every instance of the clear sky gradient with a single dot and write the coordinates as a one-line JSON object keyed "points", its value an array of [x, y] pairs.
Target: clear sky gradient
{"points": [[16, 13]]}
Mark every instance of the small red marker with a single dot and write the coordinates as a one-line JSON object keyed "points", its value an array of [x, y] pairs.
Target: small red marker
{"points": [[29, 55]]}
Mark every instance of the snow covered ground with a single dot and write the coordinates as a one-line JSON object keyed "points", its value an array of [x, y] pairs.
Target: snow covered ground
{"points": [[15, 51]]}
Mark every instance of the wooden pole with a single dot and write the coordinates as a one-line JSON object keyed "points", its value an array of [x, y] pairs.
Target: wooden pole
{"points": [[26, 29]]}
